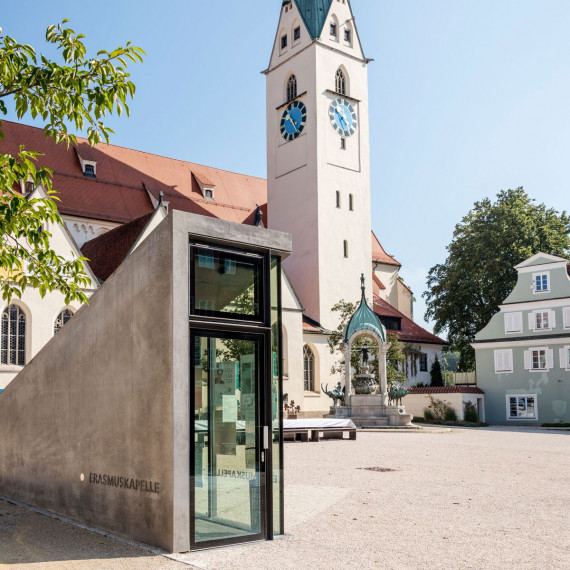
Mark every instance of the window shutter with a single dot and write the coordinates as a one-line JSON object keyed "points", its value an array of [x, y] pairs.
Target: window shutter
{"points": [[517, 322], [567, 317], [498, 359], [549, 358], [563, 359], [552, 319], [527, 359], [532, 321]]}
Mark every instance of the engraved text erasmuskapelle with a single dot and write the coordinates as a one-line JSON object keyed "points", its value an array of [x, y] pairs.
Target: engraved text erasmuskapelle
{"points": [[125, 483]]}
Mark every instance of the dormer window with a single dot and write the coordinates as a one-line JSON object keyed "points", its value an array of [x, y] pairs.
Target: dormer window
{"points": [[209, 193], [29, 187], [89, 170], [541, 282], [206, 186]]}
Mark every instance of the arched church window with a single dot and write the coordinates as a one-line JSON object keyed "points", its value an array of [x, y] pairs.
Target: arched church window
{"points": [[340, 82], [61, 320], [13, 336], [291, 88], [309, 368]]}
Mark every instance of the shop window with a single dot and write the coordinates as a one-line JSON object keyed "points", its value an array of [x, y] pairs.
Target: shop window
{"points": [[521, 407]]}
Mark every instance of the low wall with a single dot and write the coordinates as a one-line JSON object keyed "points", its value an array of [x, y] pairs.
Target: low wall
{"points": [[419, 399]]}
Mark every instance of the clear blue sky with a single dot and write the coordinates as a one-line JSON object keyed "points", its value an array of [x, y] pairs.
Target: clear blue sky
{"points": [[467, 97]]}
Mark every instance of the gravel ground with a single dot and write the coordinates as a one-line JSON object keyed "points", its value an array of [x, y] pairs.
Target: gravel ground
{"points": [[494, 498]]}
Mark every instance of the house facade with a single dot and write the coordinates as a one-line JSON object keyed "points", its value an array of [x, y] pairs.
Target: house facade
{"points": [[523, 354]]}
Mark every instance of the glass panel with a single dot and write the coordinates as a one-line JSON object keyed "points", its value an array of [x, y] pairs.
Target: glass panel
{"points": [[513, 407], [227, 494], [276, 396], [226, 283], [530, 409]]}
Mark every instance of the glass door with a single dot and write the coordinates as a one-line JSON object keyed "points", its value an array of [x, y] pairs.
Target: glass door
{"points": [[227, 455]]}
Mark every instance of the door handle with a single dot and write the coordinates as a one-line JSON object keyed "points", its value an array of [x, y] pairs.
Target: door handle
{"points": [[265, 437]]}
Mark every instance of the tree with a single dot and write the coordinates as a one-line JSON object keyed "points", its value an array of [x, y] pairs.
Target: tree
{"points": [[395, 358], [435, 373], [79, 93], [478, 274]]}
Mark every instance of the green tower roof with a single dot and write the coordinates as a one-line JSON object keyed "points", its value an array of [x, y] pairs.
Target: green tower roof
{"points": [[364, 319], [314, 14]]}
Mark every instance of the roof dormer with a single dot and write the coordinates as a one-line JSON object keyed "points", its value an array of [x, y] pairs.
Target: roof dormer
{"points": [[87, 161], [206, 185]]}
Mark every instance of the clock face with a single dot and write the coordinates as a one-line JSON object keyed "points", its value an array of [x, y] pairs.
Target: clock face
{"points": [[343, 117], [293, 120]]}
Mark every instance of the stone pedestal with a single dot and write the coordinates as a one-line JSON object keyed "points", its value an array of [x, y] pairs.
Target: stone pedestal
{"points": [[370, 411]]}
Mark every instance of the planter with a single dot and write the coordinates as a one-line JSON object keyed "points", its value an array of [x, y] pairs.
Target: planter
{"points": [[291, 416]]}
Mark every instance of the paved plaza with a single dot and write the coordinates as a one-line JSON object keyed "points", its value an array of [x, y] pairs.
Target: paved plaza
{"points": [[494, 498]]}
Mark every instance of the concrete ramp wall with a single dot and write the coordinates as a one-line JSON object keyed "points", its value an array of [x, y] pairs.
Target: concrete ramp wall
{"points": [[87, 428]]}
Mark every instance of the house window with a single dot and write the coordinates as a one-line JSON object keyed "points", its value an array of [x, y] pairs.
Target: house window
{"points": [[297, 33], [61, 320], [13, 336], [521, 407], [284, 41], [541, 282], [542, 320], [89, 171], [340, 82], [423, 363], [337, 199], [538, 360], [503, 361], [309, 368], [291, 88], [345, 247], [513, 322], [350, 202]]}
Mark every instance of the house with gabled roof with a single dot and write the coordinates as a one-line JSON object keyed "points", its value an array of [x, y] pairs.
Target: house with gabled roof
{"points": [[523, 354]]}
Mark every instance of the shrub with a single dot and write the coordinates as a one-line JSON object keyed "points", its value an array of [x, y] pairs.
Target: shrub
{"points": [[435, 373], [450, 415], [470, 413], [428, 416]]}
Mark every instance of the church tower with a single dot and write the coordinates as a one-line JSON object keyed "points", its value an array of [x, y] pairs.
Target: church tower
{"points": [[318, 151]]}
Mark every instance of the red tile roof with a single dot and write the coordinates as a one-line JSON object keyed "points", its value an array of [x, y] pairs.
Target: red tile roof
{"points": [[446, 390], [410, 332], [118, 193], [379, 286], [311, 326], [379, 253], [107, 252]]}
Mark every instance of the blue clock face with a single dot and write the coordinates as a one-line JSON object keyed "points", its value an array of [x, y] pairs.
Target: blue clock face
{"points": [[343, 117], [293, 120]]}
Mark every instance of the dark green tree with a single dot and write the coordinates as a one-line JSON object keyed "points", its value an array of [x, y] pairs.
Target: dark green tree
{"points": [[435, 373], [465, 291], [395, 358], [77, 92]]}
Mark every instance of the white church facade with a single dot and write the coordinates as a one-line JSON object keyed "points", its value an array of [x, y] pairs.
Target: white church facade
{"points": [[317, 189]]}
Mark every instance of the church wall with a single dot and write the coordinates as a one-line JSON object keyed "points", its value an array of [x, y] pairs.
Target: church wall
{"points": [[84, 229], [404, 300], [388, 274]]}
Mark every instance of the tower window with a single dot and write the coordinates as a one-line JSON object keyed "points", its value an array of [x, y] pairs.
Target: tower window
{"points": [[347, 35], [345, 248], [337, 199], [284, 41], [297, 33], [350, 202], [340, 82], [342, 144], [291, 88], [333, 29]]}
